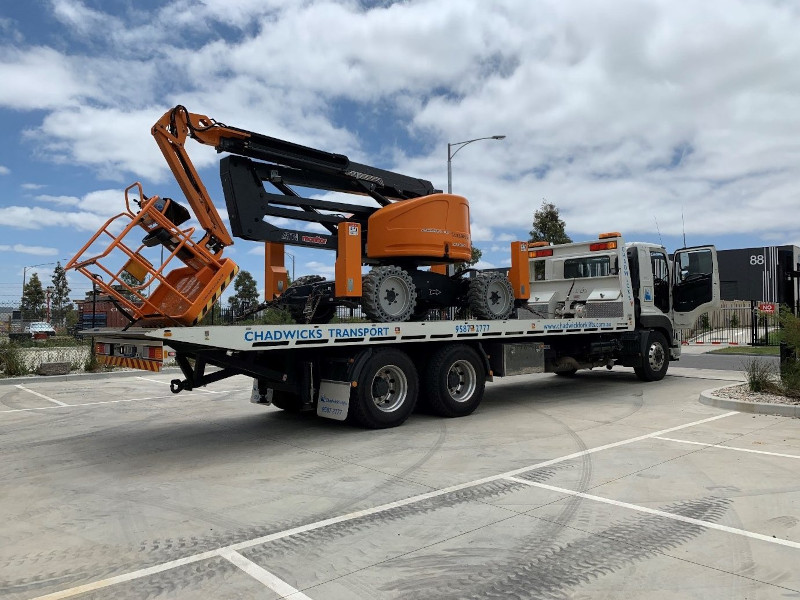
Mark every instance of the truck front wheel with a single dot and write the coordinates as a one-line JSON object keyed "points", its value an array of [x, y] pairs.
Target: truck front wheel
{"points": [[656, 359], [454, 380], [386, 390]]}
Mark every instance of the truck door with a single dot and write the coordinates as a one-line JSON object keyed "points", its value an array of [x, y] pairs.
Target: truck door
{"points": [[695, 284]]}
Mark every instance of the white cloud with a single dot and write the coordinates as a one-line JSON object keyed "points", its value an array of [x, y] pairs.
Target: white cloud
{"points": [[27, 217], [80, 19], [4, 170], [32, 186], [24, 71], [616, 114], [315, 267], [60, 200], [23, 249], [116, 142]]}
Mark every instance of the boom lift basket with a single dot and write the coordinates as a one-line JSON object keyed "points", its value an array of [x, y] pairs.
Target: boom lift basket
{"points": [[180, 296]]}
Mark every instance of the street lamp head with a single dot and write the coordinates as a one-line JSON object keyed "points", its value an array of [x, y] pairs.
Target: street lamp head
{"points": [[458, 146]]}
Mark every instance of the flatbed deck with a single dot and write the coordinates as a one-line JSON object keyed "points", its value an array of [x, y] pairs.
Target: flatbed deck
{"points": [[273, 337]]}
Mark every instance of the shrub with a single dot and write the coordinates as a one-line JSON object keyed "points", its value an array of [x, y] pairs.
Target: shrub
{"points": [[91, 365], [761, 376], [12, 361], [734, 320], [276, 316]]}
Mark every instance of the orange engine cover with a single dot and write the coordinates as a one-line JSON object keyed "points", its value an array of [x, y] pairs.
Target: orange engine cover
{"points": [[432, 227]]}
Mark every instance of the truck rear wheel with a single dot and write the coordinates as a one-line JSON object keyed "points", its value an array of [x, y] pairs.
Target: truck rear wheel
{"points": [[386, 390], [286, 401], [455, 380], [656, 359]]}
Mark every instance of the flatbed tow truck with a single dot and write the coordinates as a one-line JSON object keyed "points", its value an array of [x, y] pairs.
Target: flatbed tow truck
{"points": [[592, 304], [558, 308]]}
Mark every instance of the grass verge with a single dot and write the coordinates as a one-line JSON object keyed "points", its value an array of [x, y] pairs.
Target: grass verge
{"points": [[748, 350]]}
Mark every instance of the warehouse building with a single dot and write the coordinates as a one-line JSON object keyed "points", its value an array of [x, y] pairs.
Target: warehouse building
{"points": [[765, 274]]}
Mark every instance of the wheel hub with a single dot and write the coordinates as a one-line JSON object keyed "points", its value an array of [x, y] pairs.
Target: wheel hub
{"points": [[453, 380], [394, 296], [380, 387], [461, 381], [391, 296], [656, 357], [389, 388]]}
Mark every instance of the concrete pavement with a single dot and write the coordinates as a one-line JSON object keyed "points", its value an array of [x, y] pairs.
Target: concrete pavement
{"points": [[598, 486]]}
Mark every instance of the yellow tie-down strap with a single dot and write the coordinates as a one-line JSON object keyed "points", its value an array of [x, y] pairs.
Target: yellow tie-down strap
{"points": [[132, 363]]}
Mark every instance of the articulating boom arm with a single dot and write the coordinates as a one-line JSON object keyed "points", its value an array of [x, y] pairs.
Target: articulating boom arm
{"points": [[290, 164]]}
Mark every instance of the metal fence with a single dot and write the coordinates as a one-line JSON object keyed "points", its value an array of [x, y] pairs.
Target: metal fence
{"points": [[736, 322]]}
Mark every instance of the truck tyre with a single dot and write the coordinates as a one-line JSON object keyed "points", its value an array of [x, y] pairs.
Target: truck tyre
{"points": [[386, 390], [454, 380], [567, 373], [490, 296], [656, 358], [388, 295], [286, 401]]}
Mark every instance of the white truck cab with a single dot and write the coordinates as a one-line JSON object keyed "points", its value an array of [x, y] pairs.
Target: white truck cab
{"points": [[679, 289]]}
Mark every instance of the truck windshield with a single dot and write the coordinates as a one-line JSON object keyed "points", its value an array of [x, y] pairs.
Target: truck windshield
{"points": [[587, 266]]}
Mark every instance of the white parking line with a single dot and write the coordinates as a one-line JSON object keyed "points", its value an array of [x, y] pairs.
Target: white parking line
{"points": [[661, 513], [168, 383], [103, 583], [729, 447], [62, 405], [277, 585], [53, 400]]}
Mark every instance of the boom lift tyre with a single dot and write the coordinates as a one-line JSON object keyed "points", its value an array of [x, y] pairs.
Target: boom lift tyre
{"points": [[656, 358], [388, 295], [491, 296], [386, 390], [454, 381]]}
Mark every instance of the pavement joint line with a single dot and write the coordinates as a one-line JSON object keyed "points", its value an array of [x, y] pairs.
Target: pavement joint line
{"points": [[660, 513], [133, 575], [15, 410], [260, 574], [719, 445], [48, 398]]}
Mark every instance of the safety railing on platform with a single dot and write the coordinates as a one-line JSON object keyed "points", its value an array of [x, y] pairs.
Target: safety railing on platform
{"points": [[151, 295]]}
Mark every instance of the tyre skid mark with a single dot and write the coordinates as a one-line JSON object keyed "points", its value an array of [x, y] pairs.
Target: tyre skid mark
{"points": [[541, 568], [495, 484]]}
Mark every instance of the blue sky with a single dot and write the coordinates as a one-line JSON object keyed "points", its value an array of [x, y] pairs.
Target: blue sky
{"points": [[650, 117]]}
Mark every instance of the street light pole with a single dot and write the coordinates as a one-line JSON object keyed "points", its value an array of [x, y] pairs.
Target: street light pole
{"points": [[290, 255], [94, 300], [458, 146], [50, 289], [25, 273], [25, 280]]}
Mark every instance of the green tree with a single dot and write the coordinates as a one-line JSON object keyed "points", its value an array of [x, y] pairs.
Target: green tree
{"points": [[548, 226], [132, 283], [59, 296], [245, 292], [33, 299], [477, 253]]}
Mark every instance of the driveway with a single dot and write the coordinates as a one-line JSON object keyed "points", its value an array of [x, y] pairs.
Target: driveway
{"points": [[598, 486]]}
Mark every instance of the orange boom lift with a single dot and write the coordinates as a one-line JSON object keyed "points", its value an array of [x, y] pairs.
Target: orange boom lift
{"points": [[412, 226]]}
